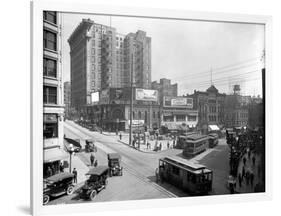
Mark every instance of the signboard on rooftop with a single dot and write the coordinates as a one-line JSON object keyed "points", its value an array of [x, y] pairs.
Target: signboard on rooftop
{"points": [[146, 94], [180, 102], [95, 97]]}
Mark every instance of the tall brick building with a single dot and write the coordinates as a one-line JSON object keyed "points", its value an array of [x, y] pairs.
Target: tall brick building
{"points": [[101, 59], [210, 105]]}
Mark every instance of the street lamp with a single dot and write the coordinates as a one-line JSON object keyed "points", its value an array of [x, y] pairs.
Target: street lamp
{"points": [[70, 150]]}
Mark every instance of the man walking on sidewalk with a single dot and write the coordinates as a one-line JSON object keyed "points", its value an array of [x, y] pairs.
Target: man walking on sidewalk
{"points": [[75, 175], [92, 159], [120, 136]]}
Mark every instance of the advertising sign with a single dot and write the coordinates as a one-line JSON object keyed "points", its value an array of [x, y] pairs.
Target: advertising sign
{"points": [[178, 101], [136, 122], [146, 94], [104, 97], [182, 102], [95, 97]]}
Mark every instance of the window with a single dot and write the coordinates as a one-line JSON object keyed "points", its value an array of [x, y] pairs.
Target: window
{"points": [[145, 117], [175, 170], [180, 117], [50, 67], [168, 118], [50, 95], [191, 118], [50, 127], [50, 16], [50, 40], [139, 114]]}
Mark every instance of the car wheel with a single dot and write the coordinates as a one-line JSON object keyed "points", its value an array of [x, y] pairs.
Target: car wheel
{"points": [[46, 199], [70, 190], [93, 195]]}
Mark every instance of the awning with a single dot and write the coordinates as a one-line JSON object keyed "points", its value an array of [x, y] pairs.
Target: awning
{"points": [[213, 127], [54, 154]]}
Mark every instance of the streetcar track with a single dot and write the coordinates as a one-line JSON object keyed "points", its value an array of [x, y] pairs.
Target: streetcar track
{"points": [[126, 166]]}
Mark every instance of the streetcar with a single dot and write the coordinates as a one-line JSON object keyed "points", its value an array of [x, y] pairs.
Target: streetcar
{"points": [[195, 144], [193, 178], [213, 140], [182, 139]]}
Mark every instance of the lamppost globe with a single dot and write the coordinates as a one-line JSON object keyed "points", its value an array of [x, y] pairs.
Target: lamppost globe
{"points": [[71, 148]]}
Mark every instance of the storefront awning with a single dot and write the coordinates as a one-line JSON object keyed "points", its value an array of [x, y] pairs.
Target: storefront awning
{"points": [[54, 154], [213, 127]]}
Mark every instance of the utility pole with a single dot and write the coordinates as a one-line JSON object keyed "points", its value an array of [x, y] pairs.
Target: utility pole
{"points": [[131, 101]]}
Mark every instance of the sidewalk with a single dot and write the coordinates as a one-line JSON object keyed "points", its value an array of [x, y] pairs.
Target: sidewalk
{"points": [[251, 168], [165, 144], [81, 168]]}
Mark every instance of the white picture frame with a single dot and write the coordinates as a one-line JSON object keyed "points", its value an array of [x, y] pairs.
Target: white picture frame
{"points": [[37, 8]]}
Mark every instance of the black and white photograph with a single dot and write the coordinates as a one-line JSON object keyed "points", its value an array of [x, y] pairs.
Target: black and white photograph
{"points": [[138, 108]]}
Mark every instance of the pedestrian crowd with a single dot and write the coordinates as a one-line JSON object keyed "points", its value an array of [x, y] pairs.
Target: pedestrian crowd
{"points": [[246, 173]]}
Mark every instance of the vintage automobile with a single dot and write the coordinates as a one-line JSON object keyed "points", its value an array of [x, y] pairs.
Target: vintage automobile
{"points": [[90, 146], [95, 183], [75, 143], [114, 164], [57, 185]]}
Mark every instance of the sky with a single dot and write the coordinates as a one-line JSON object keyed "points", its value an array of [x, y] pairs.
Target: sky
{"points": [[194, 54]]}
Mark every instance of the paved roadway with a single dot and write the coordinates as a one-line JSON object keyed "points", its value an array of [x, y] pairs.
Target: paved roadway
{"points": [[138, 180]]}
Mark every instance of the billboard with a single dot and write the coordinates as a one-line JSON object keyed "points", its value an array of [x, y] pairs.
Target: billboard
{"points": [[136, 122], [104, 97], [182, 102], [146, 94], [95, 97]]}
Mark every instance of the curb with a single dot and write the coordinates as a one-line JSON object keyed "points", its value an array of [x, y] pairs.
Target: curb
{"points": [[148, 152]]}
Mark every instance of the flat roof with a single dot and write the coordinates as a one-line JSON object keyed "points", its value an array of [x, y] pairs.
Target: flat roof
{"points": [[97, 170], [185, 164], [197, 137]]}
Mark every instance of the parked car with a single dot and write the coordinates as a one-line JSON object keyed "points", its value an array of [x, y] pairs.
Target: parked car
{"points": [[96, 182], [93, 127], [114, 164], [57, 185], [75, 143], [90, 145]]}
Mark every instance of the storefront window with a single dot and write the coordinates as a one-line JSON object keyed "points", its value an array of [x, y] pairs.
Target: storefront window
{"points": [[191, 118], [168, 118], [50, 127], [180, 117]]}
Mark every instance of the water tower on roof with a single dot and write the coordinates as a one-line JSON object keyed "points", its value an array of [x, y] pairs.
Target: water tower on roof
{"points": [[236, 89]]}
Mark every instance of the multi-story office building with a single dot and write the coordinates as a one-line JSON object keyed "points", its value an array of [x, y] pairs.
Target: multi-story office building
{"points": [[101, 59], [237, 109], [53, 91], [210, 105], [67, 98], [138, 52]]}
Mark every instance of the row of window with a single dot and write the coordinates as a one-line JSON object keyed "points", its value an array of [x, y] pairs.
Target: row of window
{"points": [[212, 109], [50, 70], [179, 118], [212, 118]]}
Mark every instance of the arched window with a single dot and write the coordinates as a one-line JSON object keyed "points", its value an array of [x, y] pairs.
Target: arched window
{"points": [[139, 114], [145, 117]]}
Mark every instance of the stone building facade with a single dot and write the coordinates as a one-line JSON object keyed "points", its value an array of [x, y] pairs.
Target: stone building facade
{"points": [[53, 103]]}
